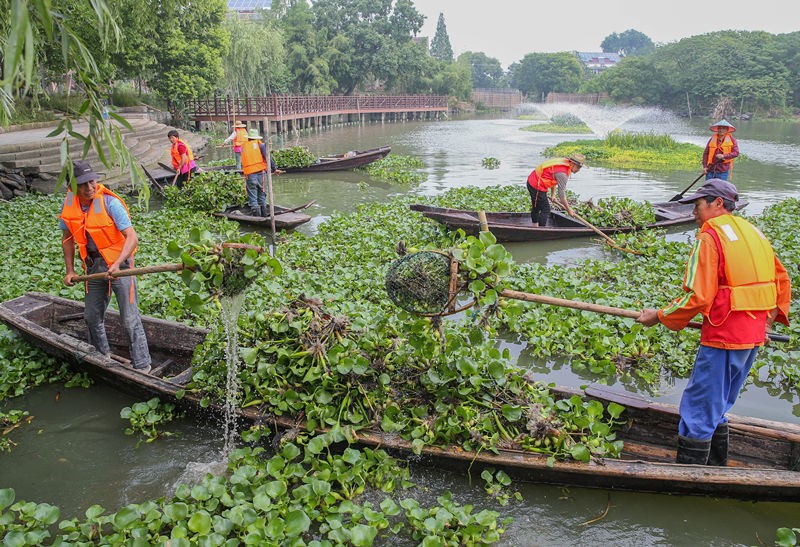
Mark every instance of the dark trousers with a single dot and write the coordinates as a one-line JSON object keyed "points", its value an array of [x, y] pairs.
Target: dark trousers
{"points": [[183, 177], [540, 206]]}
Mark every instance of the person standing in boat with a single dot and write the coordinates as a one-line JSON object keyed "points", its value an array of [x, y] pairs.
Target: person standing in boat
{"points": [[254, 168], [735, 280], [720, 151], [182, 159], [548, 176], [97, 220], [238, 137]]}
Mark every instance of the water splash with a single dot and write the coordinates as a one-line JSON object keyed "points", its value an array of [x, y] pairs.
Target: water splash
{"points": [[231, 307], [601, 119]]}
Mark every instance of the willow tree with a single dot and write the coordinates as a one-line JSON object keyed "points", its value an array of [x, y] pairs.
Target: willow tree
{"points": [[255, 63], [33, 30]]}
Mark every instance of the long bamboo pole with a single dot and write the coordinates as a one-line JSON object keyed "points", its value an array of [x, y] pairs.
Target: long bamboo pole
{"points": [[132, 271]]}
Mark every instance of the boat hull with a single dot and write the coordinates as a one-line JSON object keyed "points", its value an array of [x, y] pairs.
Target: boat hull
{"points": [[344, 161], [764, 455], [285, 218], [517, 227]]}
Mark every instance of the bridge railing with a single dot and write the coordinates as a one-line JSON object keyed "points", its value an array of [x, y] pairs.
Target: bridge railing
{"points": [[287, 105]]}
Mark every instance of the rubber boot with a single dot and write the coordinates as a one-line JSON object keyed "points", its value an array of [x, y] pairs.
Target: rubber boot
{"points": [[252, 211], [693, 451], [264, 211], [719, 446]]}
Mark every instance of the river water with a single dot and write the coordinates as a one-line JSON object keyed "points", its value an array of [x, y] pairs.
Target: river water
{"points": [[75, 454]]}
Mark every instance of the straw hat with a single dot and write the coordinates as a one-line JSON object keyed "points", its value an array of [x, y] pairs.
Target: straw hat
{"points": [[239, 124], [722, 123], [580, 159], [252, 133]]}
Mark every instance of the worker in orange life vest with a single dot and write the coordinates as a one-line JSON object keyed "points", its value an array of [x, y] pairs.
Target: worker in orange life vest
{"points": [[733, 279], [548, 176], [182, 159], [720, 151], [238, 137], [254, 168], [97, 220]]}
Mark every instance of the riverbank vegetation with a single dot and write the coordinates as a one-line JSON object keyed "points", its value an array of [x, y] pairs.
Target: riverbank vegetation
{"points": [[620, 150]]}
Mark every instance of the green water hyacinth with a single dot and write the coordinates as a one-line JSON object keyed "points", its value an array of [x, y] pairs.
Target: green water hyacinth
{"points": [[215, 268]]}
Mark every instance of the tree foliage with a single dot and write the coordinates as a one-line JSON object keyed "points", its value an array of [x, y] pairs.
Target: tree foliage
{"points": [[754, 71], [33, 32], [193, 44], [358, 36], [255, 64], [537, 74], [441, 50], [486, 71], [630, 42]]}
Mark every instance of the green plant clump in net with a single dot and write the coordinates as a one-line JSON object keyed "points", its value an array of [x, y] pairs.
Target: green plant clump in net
{"points": [[215, 269], [419, 282]]}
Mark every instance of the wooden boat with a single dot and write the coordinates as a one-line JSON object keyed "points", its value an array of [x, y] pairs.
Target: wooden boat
{"points": [[285, 217], [340, 162], [764, 458], [508, 227]]}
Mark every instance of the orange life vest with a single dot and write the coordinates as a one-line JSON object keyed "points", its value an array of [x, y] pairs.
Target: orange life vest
{"points": [[749, 263], [96, 222], [544, 176], [241, 137], [715, 147], [176, 157], [252, 158]]}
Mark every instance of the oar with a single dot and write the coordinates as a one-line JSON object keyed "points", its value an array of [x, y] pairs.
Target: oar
{"points": [[598, 308], [676, 197], [557, 205], [132, 271], [298, 208], [167, 167], [599, 232]]}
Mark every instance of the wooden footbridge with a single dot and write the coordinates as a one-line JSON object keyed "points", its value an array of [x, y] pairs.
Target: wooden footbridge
{"points": [[284, 113]]}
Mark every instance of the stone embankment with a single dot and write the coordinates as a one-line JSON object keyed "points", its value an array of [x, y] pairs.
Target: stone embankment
{"points": [[31, 161]]}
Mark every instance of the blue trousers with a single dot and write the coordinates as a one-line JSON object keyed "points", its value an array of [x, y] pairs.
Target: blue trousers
{"points": [[256, 196], [717, 377], [722, 175], [98, 298]]}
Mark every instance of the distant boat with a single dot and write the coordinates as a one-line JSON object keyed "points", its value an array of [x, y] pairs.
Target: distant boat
{"points": [[764, 455], [508, 226], [348, 160], [285, 217]]}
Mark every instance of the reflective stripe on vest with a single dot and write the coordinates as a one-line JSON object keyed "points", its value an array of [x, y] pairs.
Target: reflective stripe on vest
{"points": [[96, 222], [252, 158], [725, 148], [749, 263], [240, 138], [176, 157], [543, 177]]}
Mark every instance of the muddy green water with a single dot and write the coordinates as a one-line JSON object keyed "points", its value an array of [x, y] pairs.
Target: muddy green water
{"points": [[75, 454]]}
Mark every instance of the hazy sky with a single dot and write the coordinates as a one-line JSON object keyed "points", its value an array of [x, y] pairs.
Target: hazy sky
{"points": [[509, 29]]}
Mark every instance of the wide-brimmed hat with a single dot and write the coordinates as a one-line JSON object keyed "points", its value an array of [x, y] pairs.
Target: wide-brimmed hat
{"points": [[252, 133], [239, 124], [716, 188], [580, 159], [83, 172], [722, 123]]}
